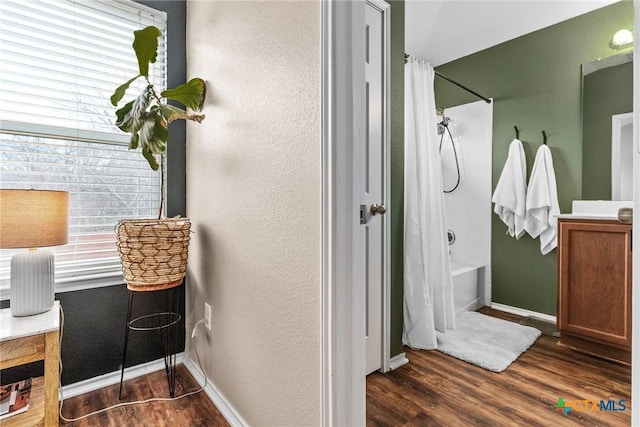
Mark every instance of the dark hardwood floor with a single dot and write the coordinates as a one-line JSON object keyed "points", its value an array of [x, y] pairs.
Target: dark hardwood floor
{"points": [[432, 390], [438, 390], [195, 410]]}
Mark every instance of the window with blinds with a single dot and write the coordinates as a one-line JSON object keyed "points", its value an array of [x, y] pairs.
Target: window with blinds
{"points": [[60, 61]]}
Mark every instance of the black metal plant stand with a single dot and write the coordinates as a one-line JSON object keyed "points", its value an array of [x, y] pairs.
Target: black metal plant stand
{"points": [[165, 322]]}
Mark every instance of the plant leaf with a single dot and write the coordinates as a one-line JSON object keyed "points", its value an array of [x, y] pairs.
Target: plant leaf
{"points": [[190, 94], [145, 44], [120, 91], [130, 117], [121, 113], [154, 132], [133, 142], [151, 159], [171, 113]]}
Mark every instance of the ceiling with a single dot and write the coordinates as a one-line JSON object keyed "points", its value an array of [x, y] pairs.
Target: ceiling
{"points": [[440, 31]]}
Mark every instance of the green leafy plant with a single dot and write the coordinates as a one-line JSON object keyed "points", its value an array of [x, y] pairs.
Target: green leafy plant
{"points": [[147, 117]]}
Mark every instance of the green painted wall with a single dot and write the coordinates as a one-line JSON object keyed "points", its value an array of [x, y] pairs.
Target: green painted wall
{"points": [[535, 81], [397, 170], [606, 92]]}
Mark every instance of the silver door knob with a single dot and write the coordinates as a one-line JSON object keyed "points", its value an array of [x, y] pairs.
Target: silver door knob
{"points": [[377, 209]]}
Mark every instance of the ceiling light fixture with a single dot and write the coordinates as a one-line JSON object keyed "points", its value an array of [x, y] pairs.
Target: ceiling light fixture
{"points": [[621, 39]]}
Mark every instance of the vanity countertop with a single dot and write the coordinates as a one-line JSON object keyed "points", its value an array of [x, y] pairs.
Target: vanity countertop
{"points": [[596, 209], [587, 216]]}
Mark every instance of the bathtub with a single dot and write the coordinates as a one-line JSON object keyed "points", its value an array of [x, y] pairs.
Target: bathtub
{"points": [[468, 287]]}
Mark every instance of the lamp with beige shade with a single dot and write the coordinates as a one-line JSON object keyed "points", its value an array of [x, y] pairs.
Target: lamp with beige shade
{"points": [[33, 219]]}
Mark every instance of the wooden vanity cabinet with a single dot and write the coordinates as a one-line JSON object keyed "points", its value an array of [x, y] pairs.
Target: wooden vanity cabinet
{"points": [[594, 287]]}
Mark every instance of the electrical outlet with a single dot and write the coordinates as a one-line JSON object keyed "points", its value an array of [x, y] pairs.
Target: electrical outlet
{"points": [[207, 315]]}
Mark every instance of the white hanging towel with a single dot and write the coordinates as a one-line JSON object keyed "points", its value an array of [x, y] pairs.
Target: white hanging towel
{"points": [[542, 201], [511, 192]]}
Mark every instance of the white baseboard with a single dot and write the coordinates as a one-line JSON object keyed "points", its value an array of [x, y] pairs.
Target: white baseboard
{"points": [[225, 408], [472, 306], [397, 361], [222, 404], [523, 312], [111, 378]]}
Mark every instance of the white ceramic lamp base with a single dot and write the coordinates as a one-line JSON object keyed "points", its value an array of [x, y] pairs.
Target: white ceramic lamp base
{"points": [[32, 280]]}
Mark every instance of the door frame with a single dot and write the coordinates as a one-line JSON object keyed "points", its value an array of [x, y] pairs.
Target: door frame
{"points": [[635, 311]]}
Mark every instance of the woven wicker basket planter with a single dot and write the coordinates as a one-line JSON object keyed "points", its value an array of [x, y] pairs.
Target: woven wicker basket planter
{"points": [[153, 252]]}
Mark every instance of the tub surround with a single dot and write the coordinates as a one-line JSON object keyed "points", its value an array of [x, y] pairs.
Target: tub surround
{"points": [[468, 208], [468, 287]]}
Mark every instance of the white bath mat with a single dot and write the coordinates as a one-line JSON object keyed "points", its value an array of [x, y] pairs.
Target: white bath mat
{"points": [[485, 341]]}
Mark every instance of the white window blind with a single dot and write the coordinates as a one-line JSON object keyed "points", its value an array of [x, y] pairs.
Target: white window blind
{"points": [[60, 61]]}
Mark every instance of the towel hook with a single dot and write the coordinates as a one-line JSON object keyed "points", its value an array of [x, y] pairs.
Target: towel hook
{"points": [[544, 137], [517, 132]]}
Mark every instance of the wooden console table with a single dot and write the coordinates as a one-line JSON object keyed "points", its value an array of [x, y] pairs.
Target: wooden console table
{"points": [[29, 339]]}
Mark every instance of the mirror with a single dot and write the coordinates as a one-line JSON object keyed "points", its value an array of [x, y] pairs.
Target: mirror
{"points": [[607, 103]]}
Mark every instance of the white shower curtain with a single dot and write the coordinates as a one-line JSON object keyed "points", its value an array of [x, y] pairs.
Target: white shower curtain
{"points": [[428, 285]]}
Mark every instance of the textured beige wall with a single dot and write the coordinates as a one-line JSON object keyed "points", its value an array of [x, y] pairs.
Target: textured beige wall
{"points": [[253, 195]]}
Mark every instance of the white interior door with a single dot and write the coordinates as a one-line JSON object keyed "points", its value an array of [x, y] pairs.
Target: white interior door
{"points": [[373, 183]]}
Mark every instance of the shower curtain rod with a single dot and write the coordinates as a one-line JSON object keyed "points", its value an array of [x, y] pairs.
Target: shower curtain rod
{"points": [[485, 99]]}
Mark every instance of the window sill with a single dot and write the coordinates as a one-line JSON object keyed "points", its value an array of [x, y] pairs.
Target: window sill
{"points": [[71, 285]]}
